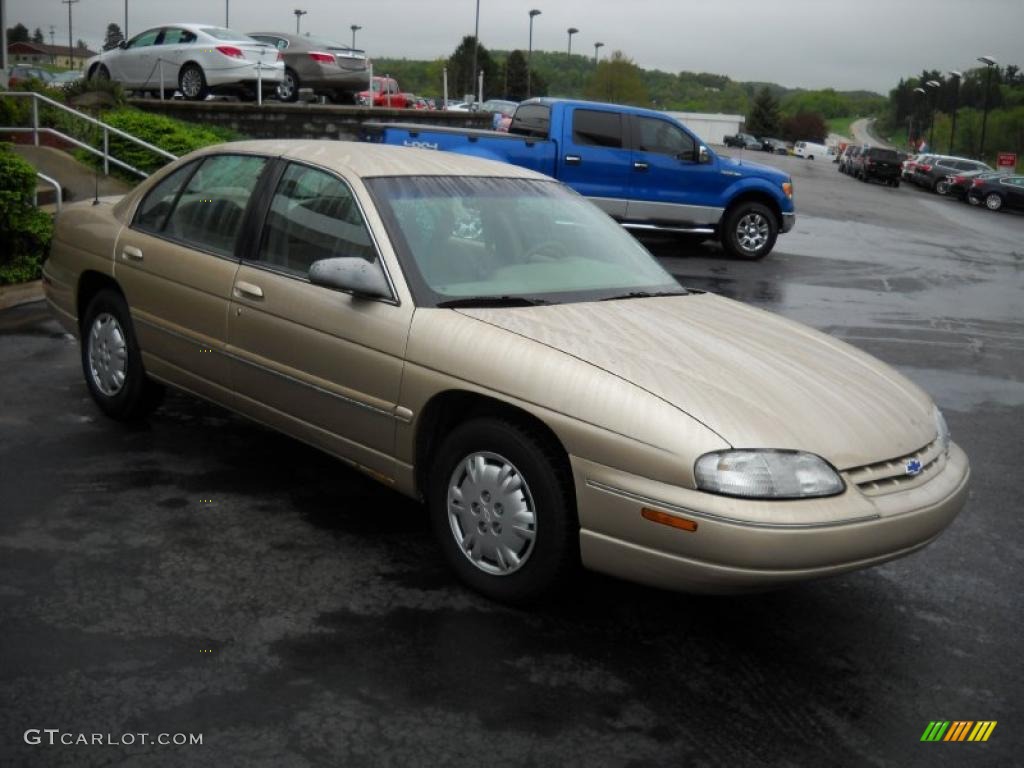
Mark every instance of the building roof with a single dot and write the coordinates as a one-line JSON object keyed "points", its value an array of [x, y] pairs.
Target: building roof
{"points": [[43, 49]]}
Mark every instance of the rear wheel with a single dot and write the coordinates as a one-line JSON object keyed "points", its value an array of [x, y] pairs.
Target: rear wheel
{"points": [[111, 360], [750, 231], [192, 83], [993, 201], [502, 509], [288, 90]]}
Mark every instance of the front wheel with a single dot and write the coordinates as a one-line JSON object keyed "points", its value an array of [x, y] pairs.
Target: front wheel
{"points": [[99, 72], [750, 231], [111, 360], [503, 511], [192, 83]]}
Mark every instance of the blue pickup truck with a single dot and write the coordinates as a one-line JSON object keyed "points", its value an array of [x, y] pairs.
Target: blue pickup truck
{"points": [[642, 167]]}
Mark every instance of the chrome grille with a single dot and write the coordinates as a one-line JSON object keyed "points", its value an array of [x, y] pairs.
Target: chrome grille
{"points": [[891, 476]]}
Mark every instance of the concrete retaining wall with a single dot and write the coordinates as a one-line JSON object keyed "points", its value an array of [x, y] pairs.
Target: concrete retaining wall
{"points": [[302, 121]]}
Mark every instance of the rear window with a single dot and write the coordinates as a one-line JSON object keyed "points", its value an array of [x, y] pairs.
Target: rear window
{"points": [[883, 154], [220, 33]]}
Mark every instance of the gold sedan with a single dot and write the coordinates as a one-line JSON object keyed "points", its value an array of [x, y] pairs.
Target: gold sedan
{"points": [[479, 336]]}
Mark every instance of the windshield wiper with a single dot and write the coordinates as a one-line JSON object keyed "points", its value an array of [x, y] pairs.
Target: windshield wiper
{"points": [[646, 294], [491, 301]]}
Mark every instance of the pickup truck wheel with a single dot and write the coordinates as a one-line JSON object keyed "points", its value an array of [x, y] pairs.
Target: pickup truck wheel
{"points": [[750, 231], [502, 509], [111, 360]]}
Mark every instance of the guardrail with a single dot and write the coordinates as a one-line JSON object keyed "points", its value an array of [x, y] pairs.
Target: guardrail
{"points": [[60, 194], [35, 129]]}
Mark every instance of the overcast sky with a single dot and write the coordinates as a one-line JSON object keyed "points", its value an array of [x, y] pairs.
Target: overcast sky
{"points": [[798, 43]]}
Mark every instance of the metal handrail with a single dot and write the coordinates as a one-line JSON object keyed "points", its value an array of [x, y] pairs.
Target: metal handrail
{"points": [[56, 186], [35, 130]]}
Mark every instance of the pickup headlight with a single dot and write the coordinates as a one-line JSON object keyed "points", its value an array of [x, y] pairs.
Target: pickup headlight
{"points": [[787, 188], [943, 430], [767, 474]]}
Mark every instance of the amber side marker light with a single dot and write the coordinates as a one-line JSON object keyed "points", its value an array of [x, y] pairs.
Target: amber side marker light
{"points": [[657, 516]]}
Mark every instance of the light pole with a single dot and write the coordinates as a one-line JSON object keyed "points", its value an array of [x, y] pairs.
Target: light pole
{"points": [[572, 31], [227, 13], [989, 62], [3, 43], [298, 15], [71, 48], [931, 103], [476, 47], [529, 57], [913, 110], [355, 28], [956, 97], [124, 35], [597, 47]]}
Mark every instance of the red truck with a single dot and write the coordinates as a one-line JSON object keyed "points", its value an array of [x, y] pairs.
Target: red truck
{"points": [[385, 94]]}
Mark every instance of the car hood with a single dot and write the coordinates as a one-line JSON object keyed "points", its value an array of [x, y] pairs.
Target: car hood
{"points": [[756, 379], [754, 169]]}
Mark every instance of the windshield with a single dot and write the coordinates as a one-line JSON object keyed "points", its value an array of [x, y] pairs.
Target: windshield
{"points": [[501, 238]]}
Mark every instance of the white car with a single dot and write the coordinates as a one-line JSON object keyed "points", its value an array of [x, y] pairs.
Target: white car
{"points": [[195, 59]]}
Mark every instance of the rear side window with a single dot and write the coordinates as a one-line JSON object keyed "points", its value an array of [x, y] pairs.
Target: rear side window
{"points": [[209, 211], [313, 216], [531, 120], [598, 129]]}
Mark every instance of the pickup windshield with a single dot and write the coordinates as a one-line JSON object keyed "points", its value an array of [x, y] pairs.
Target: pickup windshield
{"points": [[496, 238]]}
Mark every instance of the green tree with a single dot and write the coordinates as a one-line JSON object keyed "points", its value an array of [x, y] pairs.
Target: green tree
{"points": [[113, 37], [461, 78], [37, 36], [17, 34], [515, 76], [764, 115], [805, 126], [617, 80]]}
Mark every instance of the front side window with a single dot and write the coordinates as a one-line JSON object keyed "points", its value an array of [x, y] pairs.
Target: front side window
{"points": [[661, 137], [209, 211], [312, 216], [460, 237], [155, 207], [145, 39], [594, 128]]}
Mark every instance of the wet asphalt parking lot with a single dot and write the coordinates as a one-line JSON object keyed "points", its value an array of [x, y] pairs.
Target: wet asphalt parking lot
{"points": [[200, 574]]}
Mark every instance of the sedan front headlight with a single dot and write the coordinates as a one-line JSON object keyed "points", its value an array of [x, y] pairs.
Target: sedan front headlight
{"points": [[943, 430], [767, 474]]}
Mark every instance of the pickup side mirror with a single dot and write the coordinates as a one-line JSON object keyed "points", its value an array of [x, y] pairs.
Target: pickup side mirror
{"points": [[703, 156], [349, 273]]}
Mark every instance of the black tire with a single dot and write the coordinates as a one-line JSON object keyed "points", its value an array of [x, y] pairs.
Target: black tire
{"points": [[895, 183], [99, 72], [730, 235], [192, 82], [137, 395], [553, 556], [288, 90]]}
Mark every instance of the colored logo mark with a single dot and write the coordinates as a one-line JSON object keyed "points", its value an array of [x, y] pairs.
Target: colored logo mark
{"points": [[913, 467], [958, 730]]}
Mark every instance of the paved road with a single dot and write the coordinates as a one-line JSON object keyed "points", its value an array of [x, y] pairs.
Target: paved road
{"points": [[198, 573], [863, 133]]}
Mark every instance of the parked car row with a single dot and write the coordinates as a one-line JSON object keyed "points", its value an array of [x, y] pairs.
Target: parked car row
{"points": [[871, 163], [930, 171], [23, 73], [763, 144]]}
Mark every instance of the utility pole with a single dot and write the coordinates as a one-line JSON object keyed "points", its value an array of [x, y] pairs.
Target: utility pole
{"points": [[71, 47], [572, 31], [529, 57], [3, 43], [597, 47]]}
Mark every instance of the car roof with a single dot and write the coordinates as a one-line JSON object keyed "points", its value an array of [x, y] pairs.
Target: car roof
{"points": [[366, 160]]}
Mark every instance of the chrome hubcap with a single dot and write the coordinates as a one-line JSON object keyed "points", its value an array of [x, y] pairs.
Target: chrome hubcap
{"points": [[752, 232], [994, 202], [491, 513], [108, 354], [191, 83], [287, 87]]}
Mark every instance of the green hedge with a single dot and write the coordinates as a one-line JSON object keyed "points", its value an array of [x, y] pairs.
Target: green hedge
{"points": [[25, 231]]}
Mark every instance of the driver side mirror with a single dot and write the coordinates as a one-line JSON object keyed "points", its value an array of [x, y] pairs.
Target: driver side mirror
{"points": [[703, 156], [349, 273]]}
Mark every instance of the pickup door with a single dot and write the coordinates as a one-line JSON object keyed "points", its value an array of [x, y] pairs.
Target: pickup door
{"points": [[594, 157]]}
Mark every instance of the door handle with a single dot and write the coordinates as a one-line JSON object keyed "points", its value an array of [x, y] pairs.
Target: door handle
{"points": [[131, 253], [573, 159], [639, 165], [248, 290]]}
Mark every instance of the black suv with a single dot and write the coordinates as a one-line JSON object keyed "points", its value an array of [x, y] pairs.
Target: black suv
{"points": [[881, 164]]}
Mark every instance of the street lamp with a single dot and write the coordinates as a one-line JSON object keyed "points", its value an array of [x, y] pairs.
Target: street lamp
{"points": [[227, 14], [572, 31], [931, 103], [298, 16], [476, 47], [989, 62], [597, 46], [355, 28], [529, 57], [956, 97], [924, 93]]}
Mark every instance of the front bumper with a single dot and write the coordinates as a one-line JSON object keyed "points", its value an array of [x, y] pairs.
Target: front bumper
{"points": [[745, 545], [788, 221]]}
